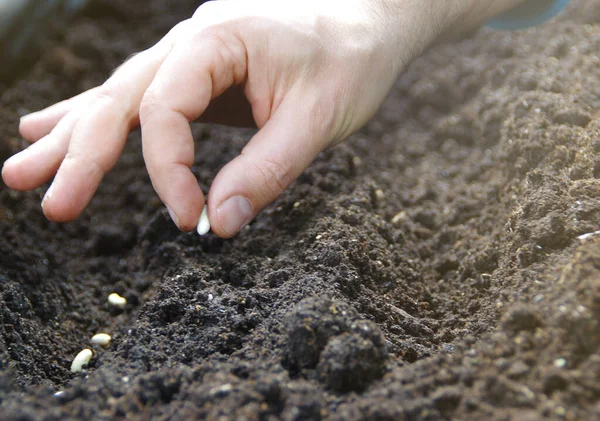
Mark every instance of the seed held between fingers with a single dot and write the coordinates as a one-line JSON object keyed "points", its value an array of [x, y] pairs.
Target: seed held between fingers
{"points": [[204, 223]]}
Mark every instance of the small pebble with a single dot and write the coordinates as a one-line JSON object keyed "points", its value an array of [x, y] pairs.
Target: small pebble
{"points": [[203, 223], [59, 394], [116, 300], [83, 358], [101, 339]]}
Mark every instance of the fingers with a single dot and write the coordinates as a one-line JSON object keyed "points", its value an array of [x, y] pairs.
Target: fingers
{"points": [[99, 136], [36, 125], [96, 143], [38, 163], [193, 74], [272, 160]]}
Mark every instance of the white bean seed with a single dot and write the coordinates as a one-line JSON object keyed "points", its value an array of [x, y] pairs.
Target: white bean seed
{"points": [[101, 339], [83, 358], [116, 300], [587, 236], [560, 363], [203, 223]]}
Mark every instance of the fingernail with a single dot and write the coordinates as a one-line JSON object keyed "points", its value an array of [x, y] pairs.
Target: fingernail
{"points": [[48, 195], [173, 216], [234, 214]]}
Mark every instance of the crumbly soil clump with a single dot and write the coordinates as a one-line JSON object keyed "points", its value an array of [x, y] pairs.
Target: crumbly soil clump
{"points": [[431, 267]]}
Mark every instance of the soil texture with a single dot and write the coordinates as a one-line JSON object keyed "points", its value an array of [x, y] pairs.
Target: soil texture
{"points": [[443, 263]]}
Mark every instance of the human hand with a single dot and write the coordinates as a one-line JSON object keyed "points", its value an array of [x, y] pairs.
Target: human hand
{"points": [[313, 72]]}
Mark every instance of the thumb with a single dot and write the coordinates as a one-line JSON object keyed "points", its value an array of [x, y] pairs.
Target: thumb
{"points": [[270, 162]]}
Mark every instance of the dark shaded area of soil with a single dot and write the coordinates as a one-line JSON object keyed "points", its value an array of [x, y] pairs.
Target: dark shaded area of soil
{"points": [[429, 268]]}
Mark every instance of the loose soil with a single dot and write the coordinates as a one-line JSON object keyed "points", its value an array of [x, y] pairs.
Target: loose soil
{"points": [[429, 268]]}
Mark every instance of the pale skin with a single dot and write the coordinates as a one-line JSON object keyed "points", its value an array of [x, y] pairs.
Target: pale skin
{"points": [[307, 74]]}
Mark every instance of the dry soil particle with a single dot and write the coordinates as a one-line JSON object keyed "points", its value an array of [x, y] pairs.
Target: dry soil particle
{"points": [[429, 268]]}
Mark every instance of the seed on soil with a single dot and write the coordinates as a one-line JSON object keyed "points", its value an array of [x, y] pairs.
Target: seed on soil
{"points": [[560, 363], [203, 223], [400, 216], [588, 235], [221, 391], [83, 358], [116, 300], [101, 339]]}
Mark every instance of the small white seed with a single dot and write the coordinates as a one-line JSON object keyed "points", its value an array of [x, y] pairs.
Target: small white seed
{"points": [[587, 236], [83, 358], [400, 216], [203, 223], [101, 339], [116, 300], [560, 363]]}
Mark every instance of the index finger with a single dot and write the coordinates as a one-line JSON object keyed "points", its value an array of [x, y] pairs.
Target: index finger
{"points": [[193, 73]]}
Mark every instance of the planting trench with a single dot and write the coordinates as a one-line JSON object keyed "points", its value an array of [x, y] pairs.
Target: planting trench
{"points": [[431, 267]]}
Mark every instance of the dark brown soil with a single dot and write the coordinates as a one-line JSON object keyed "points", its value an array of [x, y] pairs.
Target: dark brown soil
{"points": [[429, 268]]}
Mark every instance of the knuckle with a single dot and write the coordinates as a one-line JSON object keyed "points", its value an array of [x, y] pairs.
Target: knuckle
{"points": [[323, 116], [104, 95], [148, 105], [178, 29], [204, 8], [210, 10], [227, 53], [107, 97], [276, 177], [87, 161]]}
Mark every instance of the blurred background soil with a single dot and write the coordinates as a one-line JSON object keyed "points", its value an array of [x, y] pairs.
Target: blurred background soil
{"points": [[429, 268]]}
